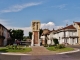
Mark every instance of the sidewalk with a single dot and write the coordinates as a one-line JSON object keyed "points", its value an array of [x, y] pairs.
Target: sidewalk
{"points": [[40, 50]]}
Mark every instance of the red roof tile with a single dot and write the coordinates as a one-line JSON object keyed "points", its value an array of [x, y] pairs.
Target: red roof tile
{"points": [[69, 27], [77, 23]]}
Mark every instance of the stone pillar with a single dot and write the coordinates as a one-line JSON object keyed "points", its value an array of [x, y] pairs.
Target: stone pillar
{"points": [[35, 30], [32, 41], [36, 38]]}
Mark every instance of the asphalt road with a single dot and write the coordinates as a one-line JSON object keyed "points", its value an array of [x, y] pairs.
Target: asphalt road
{"points": [[47, 57], [69, 56]]}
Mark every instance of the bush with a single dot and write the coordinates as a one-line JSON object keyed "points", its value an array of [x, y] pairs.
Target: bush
{"points": [[60, 46], [55, 41], [9, 46], [45, 45], [14, 47]]}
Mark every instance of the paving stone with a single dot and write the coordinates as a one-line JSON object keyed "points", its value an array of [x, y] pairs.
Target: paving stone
{"points": [[40, 50]]}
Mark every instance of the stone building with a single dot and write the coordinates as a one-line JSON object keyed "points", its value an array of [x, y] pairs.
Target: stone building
{"points": [[4, 35]]}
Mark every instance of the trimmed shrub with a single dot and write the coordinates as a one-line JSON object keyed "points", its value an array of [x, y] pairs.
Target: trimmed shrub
{"points": [[45, 45], [13, 47], [60, 46]]}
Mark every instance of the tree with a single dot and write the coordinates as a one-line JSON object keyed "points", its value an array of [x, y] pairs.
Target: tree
{"points": [[25, 38], [40, 32], [30, 35], [16, 34]]}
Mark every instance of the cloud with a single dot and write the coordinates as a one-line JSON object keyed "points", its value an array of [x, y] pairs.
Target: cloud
{"points": [[17, 8], [49, 25], [58, 27], [60, 6], [8, 26], [67, 21], [70, 21], [25, 29], [4, 22]]}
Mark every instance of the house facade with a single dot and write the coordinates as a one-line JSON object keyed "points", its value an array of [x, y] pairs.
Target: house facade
{"points": [[47, 37], [66, 35], [4, 35], [77, 26], [44, 37]]}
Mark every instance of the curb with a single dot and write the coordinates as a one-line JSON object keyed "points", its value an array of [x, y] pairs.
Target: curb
{"points": [[12, 53], [2, 53], [69, 52]]}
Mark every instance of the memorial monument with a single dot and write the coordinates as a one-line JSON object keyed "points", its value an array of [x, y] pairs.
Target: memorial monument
{"points": [[35, 33]]}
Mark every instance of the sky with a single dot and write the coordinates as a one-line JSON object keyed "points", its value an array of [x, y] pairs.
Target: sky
{"points": [[18, 14]]}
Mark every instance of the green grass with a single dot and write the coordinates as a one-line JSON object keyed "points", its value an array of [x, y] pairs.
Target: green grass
{"points": [[60, 50], [24, 50]]}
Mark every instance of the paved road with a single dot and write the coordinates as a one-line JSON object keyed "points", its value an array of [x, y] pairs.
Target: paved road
{"points": [[70, 56], [49, 57], [44, 57]]}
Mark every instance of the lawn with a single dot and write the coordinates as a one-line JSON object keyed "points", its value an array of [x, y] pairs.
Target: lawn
{"points": [[60, 50], [24, 50]]}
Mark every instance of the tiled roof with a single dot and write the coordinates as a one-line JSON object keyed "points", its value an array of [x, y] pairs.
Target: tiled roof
{"points": [[77, 23], [45, 31], [64, 28], [69, 27]]}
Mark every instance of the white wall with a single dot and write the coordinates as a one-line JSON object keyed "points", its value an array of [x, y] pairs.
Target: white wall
{"points": [[72, 33], [67, 34]]}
